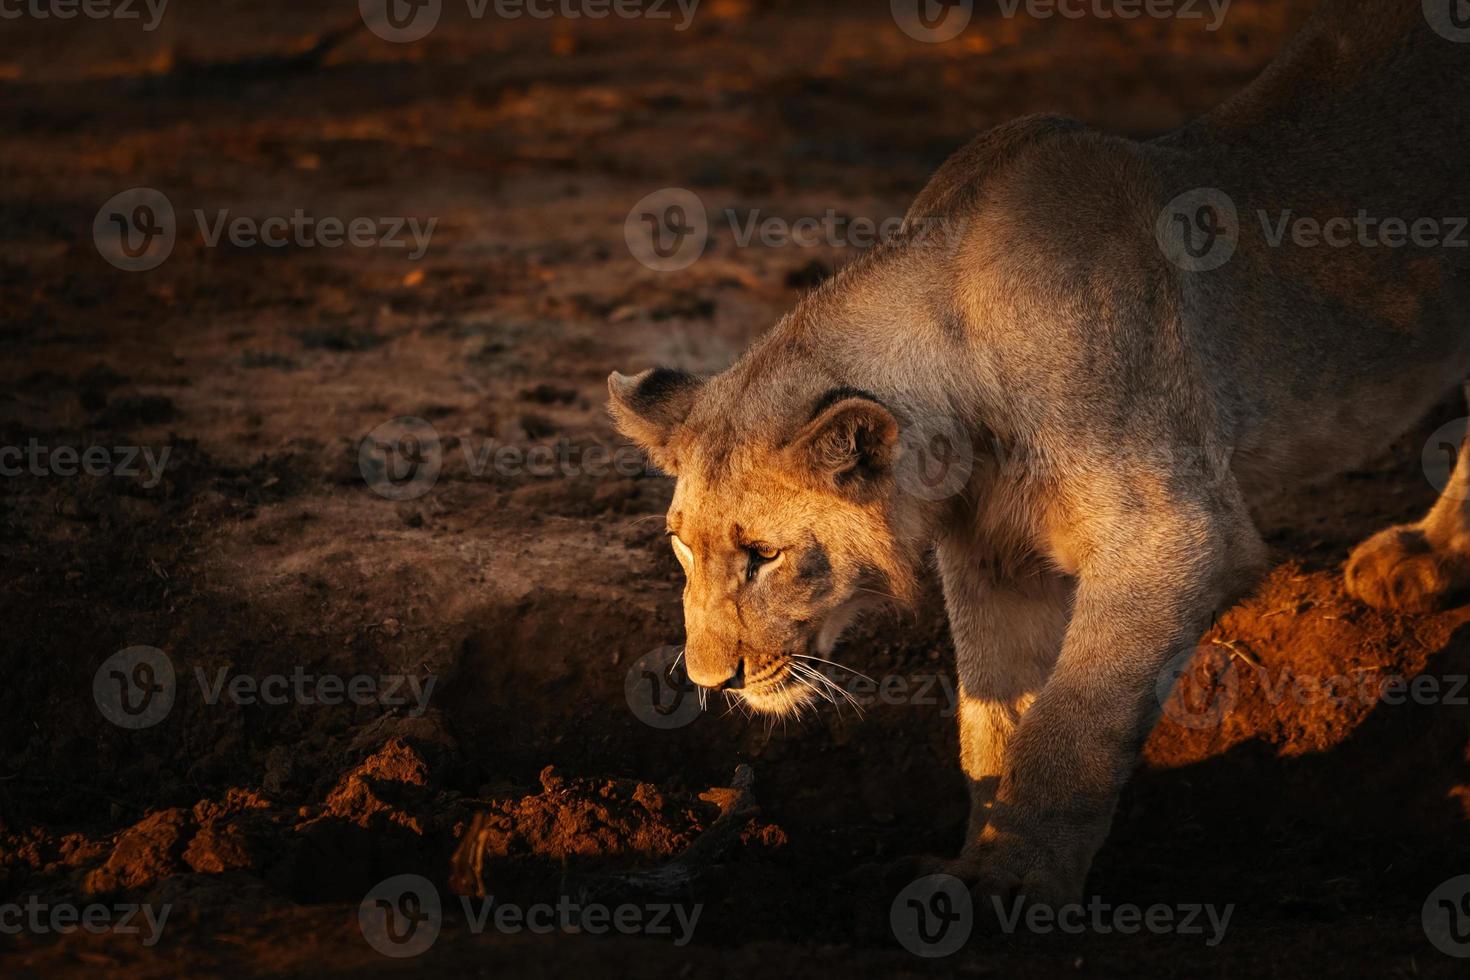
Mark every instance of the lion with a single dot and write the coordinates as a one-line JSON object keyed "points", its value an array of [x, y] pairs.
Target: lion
{"points": [[1131, 344]]}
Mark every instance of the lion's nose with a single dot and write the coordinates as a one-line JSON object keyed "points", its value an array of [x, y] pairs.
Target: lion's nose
{"points": [[736, 680], [731, 682]]}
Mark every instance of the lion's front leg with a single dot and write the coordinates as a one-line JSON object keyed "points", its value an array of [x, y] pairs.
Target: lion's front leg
{"points": [[1007, 636], [1145, 598]]}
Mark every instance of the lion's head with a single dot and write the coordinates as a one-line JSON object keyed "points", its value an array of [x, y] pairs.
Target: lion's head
{"points": [[784, 517]]}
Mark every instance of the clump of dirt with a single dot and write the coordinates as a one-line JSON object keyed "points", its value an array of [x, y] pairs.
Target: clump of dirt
{"points": [[386, 813], [149, 850], [382, 790], [592, 830], [590, 819]]}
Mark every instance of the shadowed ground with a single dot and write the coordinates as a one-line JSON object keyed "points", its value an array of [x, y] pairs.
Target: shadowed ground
{"points": [[528, 591]]}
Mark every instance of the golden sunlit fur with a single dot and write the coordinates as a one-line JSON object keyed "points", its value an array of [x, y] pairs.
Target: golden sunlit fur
{"points": [[1115, 416]]}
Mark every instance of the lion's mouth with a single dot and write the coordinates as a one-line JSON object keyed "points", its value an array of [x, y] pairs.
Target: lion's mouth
{"points": [[784, 687], [795, 679], [776, 691]]}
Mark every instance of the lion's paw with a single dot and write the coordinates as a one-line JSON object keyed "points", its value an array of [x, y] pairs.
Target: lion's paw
{"points": [[1004, 878], [1400, 570], [998, 876]]}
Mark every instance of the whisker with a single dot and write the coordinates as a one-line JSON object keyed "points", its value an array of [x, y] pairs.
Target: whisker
{"points": [[836, 688], [825, 691], [848, 696], [801, 679], [805, 674], [833, 663], [833, 688], [886, 595]]}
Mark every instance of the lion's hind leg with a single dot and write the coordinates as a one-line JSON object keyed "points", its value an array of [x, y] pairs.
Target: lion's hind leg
{"points": [[1423, 567]]}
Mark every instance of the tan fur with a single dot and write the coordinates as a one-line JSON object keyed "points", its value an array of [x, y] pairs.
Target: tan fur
{"points": [[1122, 415]]}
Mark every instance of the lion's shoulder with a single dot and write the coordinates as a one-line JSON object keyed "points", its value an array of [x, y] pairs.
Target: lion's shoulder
{"points": [[957, 184]]}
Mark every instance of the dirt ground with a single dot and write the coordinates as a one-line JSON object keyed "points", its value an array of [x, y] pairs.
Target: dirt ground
{"points": [[526, 594]]}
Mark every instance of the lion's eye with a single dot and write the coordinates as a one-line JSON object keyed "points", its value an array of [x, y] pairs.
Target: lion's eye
{"points": [[760, 554], [681, 549]]}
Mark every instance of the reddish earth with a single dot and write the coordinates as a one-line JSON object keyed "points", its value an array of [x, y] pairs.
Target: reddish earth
{"points": [[1325, 816]]}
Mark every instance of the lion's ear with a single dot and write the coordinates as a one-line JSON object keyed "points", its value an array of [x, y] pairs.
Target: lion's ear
{"points": [[850, 445], [648, 407]]}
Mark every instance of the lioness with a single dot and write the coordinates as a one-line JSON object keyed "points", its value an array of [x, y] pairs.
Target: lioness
{"points": [[1127, 396]]}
